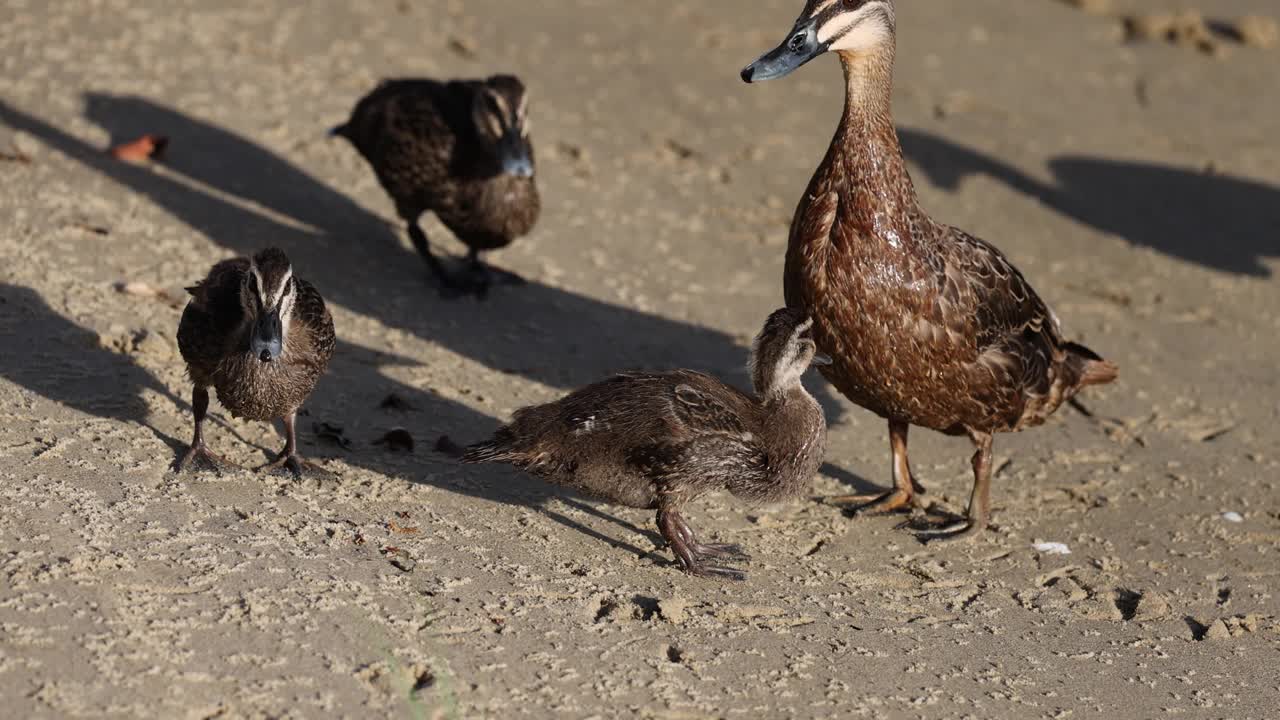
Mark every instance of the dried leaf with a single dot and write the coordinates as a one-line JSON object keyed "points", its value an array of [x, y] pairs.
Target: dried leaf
{"points": [[395, 527], [144, 148], [136, 287], [16, 156]]}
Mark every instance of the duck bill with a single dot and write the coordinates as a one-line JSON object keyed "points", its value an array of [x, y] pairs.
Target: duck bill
{"points": [[820, 360], [513, 151], [268, 337], [800, 47]]}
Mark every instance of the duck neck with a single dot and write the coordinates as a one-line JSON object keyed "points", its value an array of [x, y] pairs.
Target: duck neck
{"points": [[866, 145], [787, 397]]}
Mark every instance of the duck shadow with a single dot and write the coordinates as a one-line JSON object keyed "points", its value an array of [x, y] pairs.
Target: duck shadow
{"points": [[1220, 222], [61, 361], [243, 197]]}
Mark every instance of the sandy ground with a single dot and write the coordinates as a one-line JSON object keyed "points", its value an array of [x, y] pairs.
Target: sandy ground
{"points": [[1138, 185]]}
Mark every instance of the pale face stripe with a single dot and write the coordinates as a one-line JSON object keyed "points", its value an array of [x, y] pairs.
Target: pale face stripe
{"points": [[277, 293], [840, 23]]}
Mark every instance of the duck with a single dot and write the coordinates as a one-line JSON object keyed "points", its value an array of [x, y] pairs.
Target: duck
{"points": [[926, 324], [460, 149], [261, 337], [658, 440]]}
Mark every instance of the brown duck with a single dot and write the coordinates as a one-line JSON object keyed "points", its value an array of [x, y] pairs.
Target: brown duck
{"points": [[658, 440], [459, 149], [261, 338], [926, 325]]}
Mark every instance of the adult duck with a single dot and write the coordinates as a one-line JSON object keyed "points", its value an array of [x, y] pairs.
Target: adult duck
{"points": [[926, 324]]}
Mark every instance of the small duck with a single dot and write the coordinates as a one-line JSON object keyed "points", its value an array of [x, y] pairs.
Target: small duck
{"points": [[460, 149], [926, 324], [659, 440], [262, 338]]}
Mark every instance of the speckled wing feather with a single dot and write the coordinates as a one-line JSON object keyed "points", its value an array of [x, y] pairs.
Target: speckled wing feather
{"points": [[710, 445], [211, 318], [1016, 335], [407, 130], [309, 308]]}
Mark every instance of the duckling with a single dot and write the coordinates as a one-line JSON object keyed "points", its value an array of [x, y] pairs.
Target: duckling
{"points": [[460, 149], [926, 324], [262, 338], [659, 440]]}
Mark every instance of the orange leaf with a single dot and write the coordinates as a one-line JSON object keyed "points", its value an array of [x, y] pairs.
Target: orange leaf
{"points": [[142, 149]]}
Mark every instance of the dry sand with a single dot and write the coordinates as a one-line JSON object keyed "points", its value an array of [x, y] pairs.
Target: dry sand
{"points": [[1137, 185]]}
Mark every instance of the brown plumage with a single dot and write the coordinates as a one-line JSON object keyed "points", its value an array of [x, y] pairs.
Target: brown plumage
{"points": [[459, 149], [658, 440], [926, 324], [261, 338]]}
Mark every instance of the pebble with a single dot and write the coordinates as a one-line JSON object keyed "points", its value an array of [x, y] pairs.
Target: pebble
{"points": [[1152, 606], [1217, 630], [675, 610]]}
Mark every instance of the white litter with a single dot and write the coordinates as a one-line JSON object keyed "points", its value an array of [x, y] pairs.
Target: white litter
{"points": [[1052, 548], [1232, 516]]}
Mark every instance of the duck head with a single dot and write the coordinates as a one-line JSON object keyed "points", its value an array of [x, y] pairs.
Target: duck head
{"points": [[499, 113], [853, 27], [782, 352], [267, 296]]}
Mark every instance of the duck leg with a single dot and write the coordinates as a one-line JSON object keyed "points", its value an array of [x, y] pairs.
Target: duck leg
{"points": [[905, 488], [289, 458], [199, 451], [673, 530], [450, 286], [979, 500]]}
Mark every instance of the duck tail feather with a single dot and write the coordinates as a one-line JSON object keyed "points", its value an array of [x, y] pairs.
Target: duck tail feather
{"points": [[1089, 367], [496, 449]]}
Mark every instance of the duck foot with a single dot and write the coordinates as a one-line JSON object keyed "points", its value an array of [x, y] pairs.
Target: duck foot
{"points": [[701, 551], [691, 554], [202, 455], [896, 500], [726, 551], [963, 530], [716, 571], [296, 466], [501, 276], [459, 285]]}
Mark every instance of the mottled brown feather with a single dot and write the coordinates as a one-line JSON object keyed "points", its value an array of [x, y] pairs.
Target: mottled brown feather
{"points": [[420, 138], [213, 337], [926, 324], [639, 435]]}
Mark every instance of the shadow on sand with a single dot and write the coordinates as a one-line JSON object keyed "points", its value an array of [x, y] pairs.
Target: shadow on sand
{"points": [[57, 359], [1220, 222]]}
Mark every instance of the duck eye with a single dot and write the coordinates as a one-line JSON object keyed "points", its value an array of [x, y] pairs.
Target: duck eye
{"points": [[851, 4]]}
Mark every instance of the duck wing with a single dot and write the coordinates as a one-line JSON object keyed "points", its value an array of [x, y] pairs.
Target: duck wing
{"points": [[709, 443], [309, 308], [209, 323], [1015, 341], [408, 130]]}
